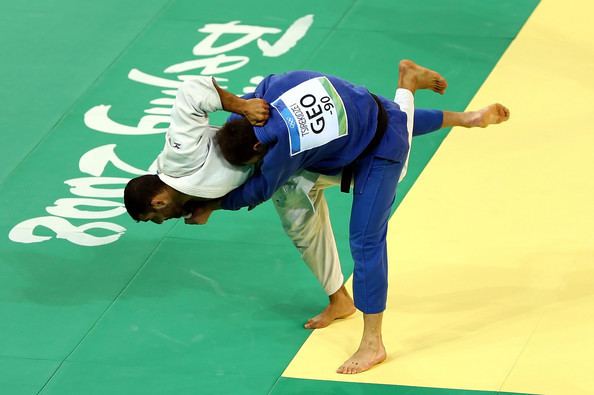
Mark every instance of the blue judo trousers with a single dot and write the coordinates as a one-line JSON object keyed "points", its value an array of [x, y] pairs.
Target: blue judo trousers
{"points": [[322, 123]]}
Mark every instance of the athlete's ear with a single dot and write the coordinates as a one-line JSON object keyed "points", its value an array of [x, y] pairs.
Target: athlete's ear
{"points": [[158, 204], [259, 148], [160, 200]]}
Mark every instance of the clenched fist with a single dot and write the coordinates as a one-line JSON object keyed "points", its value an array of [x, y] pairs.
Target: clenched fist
{"points": [[256, 111]]}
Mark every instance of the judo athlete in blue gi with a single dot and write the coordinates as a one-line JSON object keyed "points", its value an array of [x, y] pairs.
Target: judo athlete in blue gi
{"points": [[326, 125]]}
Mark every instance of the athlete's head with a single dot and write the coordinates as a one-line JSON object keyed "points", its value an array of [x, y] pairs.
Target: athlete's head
{"points": [[238, 143], [147, 198]]}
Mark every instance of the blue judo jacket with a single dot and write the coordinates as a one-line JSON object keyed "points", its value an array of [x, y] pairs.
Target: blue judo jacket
{"points": [[318, 123]]}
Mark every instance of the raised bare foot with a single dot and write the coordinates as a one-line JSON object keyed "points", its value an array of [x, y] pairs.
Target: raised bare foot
{"points": [[412, 77], [493, 114], [341, 306], [364, 359]]}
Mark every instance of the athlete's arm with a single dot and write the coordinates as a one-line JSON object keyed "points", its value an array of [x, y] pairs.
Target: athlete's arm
{"points": [[276, 168], [188, 125], [255, 110], [257, 189]]}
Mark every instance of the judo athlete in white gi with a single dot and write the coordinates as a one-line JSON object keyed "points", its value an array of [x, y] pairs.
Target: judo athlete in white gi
{"points": [[191, 170]]}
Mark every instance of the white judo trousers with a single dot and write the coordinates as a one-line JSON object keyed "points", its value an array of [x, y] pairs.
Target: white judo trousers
{"points": [[191, 163]]}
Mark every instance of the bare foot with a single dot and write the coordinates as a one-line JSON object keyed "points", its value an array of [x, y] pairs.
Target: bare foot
{"points": [[341, 306], [364, 359], [493, 114], [412, 77], [371, 350]]}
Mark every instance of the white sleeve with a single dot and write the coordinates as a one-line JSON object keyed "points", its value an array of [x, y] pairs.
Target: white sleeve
{"points": [[186, 147]]}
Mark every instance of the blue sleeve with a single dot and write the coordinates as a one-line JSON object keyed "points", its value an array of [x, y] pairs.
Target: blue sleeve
{"points": [[427, 121], [277, 167]]}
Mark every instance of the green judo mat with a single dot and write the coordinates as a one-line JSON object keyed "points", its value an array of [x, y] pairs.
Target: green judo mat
{"points": [[93, 303]]}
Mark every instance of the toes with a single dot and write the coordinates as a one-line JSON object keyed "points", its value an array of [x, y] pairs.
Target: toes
{"points": [[346, 368], [502, 111], [351, 367], [439, 85], [316, 324], [354, 368]]}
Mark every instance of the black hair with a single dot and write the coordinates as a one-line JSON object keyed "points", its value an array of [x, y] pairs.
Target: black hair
{"points": [[139, 193], [236, 140]]}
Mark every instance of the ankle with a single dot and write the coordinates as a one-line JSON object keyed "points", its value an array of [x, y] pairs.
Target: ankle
{"points": [[407, 83], [374, 346], [372, 339]]}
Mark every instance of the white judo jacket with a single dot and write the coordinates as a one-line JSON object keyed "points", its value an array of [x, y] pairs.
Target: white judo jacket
{"points": [[191, 162]]}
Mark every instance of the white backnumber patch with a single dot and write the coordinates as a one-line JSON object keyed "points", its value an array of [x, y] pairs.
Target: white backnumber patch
{"points": [[314, 114]]}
